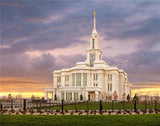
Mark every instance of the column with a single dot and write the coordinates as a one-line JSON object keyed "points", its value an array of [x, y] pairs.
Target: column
{"points": [[86, 95], [96, 97], [72, 96], [46, 95], [53, 94], [81, 79], [64, 95]]}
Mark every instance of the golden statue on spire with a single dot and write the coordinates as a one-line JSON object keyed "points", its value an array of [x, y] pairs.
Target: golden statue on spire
{"points": [[94, 13]]}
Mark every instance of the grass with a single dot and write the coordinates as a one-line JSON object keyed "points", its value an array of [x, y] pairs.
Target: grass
{"points": [[80, 120], [106, 106]]}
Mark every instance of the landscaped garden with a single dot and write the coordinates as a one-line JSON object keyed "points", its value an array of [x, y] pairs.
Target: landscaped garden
{"points": [[77, 120], [105, 105]]}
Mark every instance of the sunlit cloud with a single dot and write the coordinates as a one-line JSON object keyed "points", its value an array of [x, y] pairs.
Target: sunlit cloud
{"points": [[146, 91]]}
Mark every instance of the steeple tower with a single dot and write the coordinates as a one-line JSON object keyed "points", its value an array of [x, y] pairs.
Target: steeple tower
{"points": [[94, 54], [94, 39]]}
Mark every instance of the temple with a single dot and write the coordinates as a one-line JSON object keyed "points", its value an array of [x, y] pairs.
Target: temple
{"points": [[90, 80]]}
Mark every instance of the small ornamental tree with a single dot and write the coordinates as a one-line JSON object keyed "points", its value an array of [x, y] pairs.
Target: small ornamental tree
{"points": [[124, 96], [128, 97], [55, 97], [115, 95], [81, 97], [135, 97]]}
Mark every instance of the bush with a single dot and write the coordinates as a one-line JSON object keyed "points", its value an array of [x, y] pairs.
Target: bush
{"points": [[109, 112], [118, 112], [91, 112], [150, 111], [101, 113], [72, 113], [80, 112], [81, 97], [12, 111]]}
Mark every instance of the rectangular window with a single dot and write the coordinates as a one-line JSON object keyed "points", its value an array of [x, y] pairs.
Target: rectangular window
{"points": [[70, 98], [75, 95], [95, 77], [73, 79], [109, 77], [66, 78], [109, 86], [58, 79], [78, 79], [93, 43], [92, 59], [68, 95], [62, 96], [84, 79]]}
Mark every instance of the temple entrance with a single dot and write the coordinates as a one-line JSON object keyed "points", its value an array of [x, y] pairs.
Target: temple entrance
{"points": [[91, 95]]}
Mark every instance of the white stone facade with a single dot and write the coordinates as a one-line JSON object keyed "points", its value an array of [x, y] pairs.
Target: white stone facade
{"points": [[90, 80]]}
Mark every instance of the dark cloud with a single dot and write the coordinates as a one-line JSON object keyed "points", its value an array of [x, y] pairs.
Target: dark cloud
{"points": [[140, 65], [39, 68]]}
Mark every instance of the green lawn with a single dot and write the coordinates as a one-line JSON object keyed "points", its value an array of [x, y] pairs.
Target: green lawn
{"points": [[80, 120], [106, 106]]}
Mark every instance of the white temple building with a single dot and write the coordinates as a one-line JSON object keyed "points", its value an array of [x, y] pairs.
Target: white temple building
{"points": [[90, 80]]}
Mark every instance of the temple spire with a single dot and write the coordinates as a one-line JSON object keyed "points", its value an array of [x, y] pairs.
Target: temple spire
{"points": [[94, 24], [94, 20]]}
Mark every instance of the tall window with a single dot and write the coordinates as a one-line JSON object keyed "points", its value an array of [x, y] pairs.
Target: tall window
{"points": [[73, 79], [109, 86], [58, 79], [67, 80], [95, 77], [62, 96], [84, 79], [109, 77], [93, 43], [92, 59], [68, 95], [75, 95], [78, 79]]}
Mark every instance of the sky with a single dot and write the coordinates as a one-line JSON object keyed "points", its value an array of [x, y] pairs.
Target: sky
{"points": [[40, 36]]}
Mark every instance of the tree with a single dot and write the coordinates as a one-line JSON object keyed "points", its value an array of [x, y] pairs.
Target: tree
{"points": [[124, 96], [9, 97], [135, 97], [115, 95], [18, 96], [55, 97], [81, 97], [33, 97], [128, 97]]}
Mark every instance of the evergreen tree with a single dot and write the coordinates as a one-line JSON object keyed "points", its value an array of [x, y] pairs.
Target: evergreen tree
{"points": [[81, 97], [128, 97], [55, 97]]}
